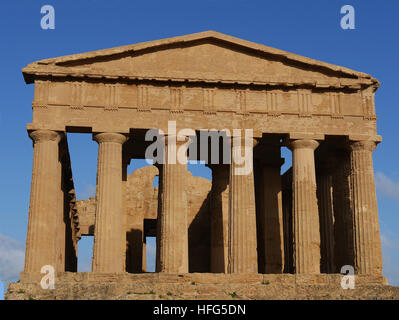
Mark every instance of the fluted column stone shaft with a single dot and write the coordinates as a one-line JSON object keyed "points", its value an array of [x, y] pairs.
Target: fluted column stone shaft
{"points": [[343, 215], [326, 218], [269, 207], [173, 229], [242, 216], [367, 241], [159, 213], [44, 206], [273, 227], [109, 235], [61, 226], [125, 164], [287, 221], [219, 217], [305, 210]]}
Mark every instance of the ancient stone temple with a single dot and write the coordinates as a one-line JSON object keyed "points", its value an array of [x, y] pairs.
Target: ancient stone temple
{"points": [[309, 221]]}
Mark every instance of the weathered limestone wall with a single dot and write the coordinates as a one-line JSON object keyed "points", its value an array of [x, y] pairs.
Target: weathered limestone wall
{"points": [[87, 215], [141, 200]]}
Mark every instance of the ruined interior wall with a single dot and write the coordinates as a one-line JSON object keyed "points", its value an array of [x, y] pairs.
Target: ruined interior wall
{"points": [[140, 203], [87, 213]]}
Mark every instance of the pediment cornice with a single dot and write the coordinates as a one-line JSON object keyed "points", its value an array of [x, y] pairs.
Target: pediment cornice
{"points": [[68, 66]]}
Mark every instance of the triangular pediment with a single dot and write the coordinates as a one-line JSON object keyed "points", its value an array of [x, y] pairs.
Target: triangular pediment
{"points": [[207, 56]]}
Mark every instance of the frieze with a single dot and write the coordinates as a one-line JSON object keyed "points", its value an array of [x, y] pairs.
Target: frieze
{"points": [[210, 100]]}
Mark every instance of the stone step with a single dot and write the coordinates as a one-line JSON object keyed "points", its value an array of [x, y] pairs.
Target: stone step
{"points": [[94, 286]]}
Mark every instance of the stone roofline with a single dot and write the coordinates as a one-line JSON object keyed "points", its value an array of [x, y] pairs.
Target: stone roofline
{"points": [[55, 67]]}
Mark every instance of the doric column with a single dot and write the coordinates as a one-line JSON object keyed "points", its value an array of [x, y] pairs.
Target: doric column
{"points": [[109, 235], [326, 219], [242, 215], [64, 241], [159, 212], [269, 207], [44, 206], [219, 217], [125, 164], [367, 241], [305, 210], [60, 242], [173, 229], [259, 208], [286, 179], [343, 215]]}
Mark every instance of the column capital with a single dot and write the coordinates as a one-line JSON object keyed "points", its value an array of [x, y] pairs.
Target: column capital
{"points": [[176, 138], [45, 135], [239, 141], [303, 144], [366, 145], [110, 137]]}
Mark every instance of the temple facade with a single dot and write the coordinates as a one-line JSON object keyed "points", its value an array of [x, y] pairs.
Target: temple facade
{"points": [[316, 217]]}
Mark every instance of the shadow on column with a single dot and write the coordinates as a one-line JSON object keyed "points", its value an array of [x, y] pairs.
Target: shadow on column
{"points": [[199, 240], [260, 219], [287, 222], [134, 251], [343, 215]]}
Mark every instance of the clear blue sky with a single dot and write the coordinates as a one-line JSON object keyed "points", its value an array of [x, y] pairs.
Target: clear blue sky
{"points": [[309, 28]]}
